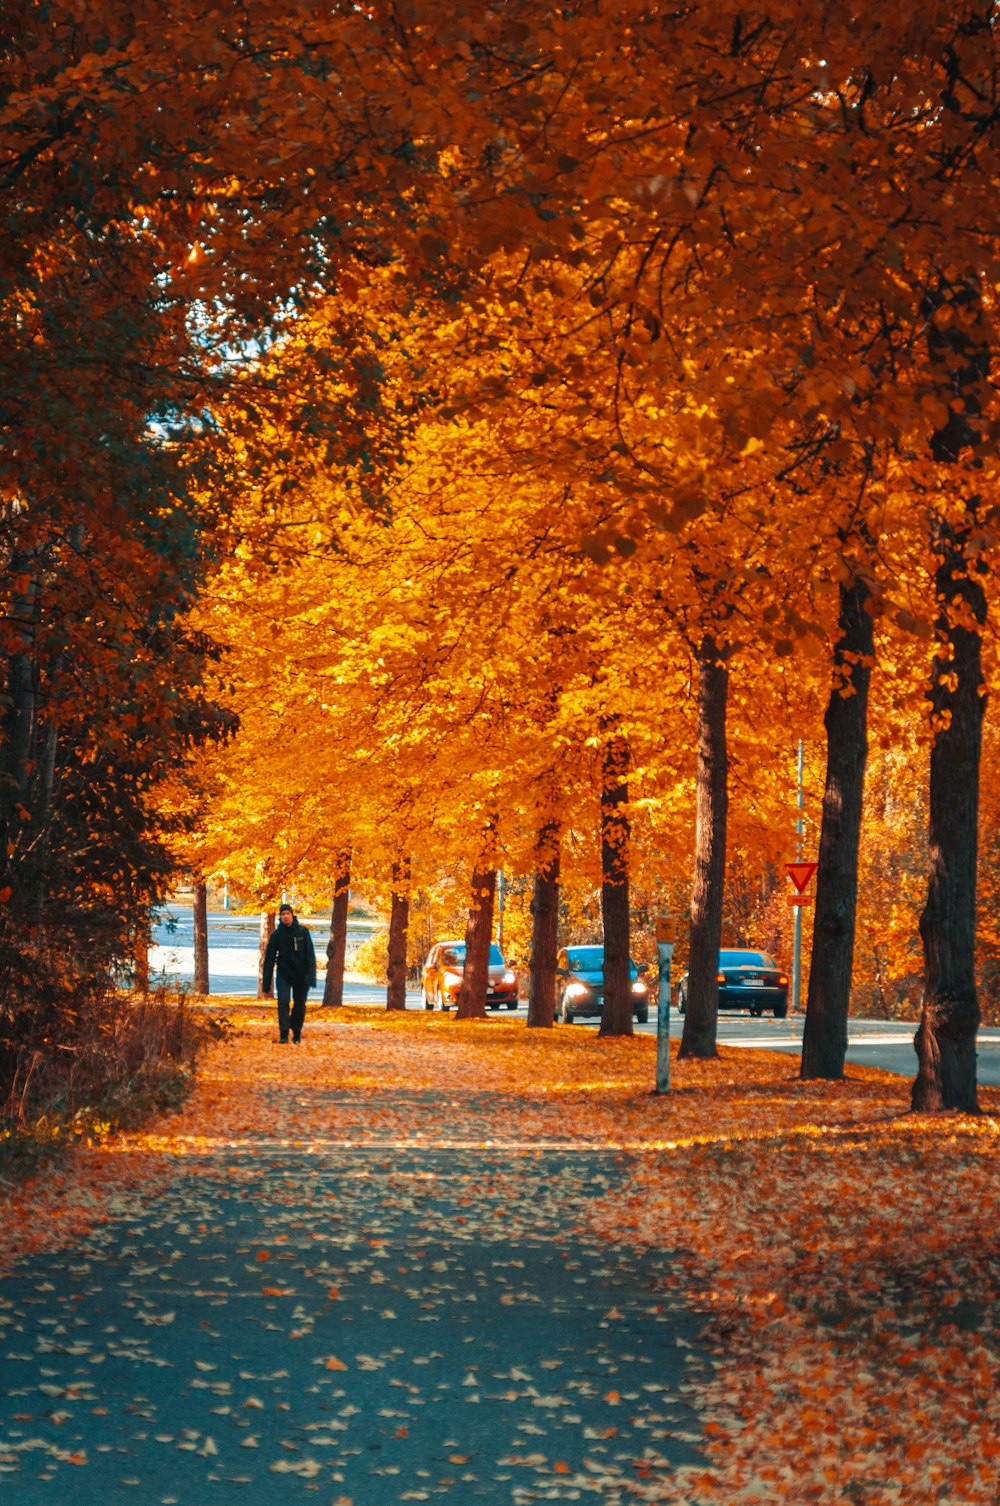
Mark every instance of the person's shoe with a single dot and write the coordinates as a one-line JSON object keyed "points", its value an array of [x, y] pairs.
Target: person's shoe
{"points": [[282, 1040], [296, 1040]]}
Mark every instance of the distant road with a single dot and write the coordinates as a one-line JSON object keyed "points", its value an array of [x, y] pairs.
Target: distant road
{"points": [[233, 970]]}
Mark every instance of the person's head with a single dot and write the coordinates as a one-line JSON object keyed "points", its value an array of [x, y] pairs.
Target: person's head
{"points": [[286, 915]]}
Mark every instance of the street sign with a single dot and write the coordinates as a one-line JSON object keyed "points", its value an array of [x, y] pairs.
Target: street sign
{"points": [[799, 899], [801, 874]]}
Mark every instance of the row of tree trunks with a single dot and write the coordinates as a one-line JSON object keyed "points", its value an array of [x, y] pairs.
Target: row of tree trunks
{"points": [[399, 929], [268, 921], [336, 949], [950, 1016], [545, 927], [199, 983], [711, 809], [959, 352], [479, 928], [616, 1014], [824, 1040]]}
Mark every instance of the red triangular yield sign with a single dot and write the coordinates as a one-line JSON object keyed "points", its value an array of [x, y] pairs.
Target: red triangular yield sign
{"points": [[801, 873]]}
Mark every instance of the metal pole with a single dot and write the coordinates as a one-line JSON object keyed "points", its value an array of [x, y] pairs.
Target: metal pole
{"points": [[664, 956], [797, 933]]}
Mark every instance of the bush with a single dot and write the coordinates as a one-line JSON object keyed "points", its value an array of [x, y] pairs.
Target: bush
{"points": [[127, 1059], [371, 957]]}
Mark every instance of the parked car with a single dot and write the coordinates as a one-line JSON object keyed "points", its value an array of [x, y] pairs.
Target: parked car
{"points": [[580, 971], [747, 980], [444, 966]]}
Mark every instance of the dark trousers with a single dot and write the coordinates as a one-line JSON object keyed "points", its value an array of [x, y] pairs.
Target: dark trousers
{"points": [[294, 991]]}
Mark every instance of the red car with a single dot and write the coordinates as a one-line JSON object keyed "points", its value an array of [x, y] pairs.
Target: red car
{"points": [[442, 973]]}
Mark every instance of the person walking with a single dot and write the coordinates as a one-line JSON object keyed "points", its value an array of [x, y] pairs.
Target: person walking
{"points": [[290, 953]]}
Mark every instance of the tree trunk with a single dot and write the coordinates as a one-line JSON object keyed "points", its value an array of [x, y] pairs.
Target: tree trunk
{"points": [[22, 685], [949, 1023], [268, 920], [544, 928], [711, 807], [399, 927], [824, 1040], [471, 1003], [140, 976], [616, 1014], [43, 793], [18, 734], [199, 983], [336, 949]]}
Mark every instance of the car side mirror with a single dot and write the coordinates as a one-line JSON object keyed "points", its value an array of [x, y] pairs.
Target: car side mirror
{"points": [[560, 972], [642, 967]]}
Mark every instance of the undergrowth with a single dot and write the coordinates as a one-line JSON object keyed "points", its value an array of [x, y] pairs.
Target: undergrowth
{"points": [[134, 1057]]}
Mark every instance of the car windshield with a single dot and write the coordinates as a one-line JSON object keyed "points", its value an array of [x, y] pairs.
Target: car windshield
{"points": [[454, 956], [589, 959], [744, 959]]}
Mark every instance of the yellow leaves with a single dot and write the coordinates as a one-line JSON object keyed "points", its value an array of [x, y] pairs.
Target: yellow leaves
{"points": [[332, 1363]]}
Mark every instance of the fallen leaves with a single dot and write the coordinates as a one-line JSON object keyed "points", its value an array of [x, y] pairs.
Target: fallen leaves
{"points": [[843, 1252]]}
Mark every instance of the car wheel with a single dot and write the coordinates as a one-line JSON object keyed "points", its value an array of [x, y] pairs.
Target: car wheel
{"points": [[428, 1002], [781, 1010], [756, 1012], [642, 1015], [440, 1003], [682, 1001], [512, 1004], [565, 1013]]}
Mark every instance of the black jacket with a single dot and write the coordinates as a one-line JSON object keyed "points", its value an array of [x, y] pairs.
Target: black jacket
{"points": [[291, 947]]}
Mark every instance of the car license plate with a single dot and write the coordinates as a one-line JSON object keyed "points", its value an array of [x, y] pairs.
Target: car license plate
{"points": [[753, 983], [490, 991]]}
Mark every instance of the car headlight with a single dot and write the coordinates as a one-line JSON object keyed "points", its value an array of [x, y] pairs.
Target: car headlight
{"points": [[577, 990], [509, 977], [638, 987], [453, 980]]}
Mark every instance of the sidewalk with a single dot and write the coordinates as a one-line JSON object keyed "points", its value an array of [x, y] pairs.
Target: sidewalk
{"points": [[419, 1260], [358, 1273]]}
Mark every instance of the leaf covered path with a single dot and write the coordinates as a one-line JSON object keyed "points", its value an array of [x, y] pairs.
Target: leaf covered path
{"points": [[341, 1283], [422, 1260]]}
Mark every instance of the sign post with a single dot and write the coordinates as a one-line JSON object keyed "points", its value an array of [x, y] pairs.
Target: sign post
{"points": [[665, 932], [801, 876]]}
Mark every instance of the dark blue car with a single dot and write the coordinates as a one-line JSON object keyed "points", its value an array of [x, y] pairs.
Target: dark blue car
{"points": [[747, 980], [580, 974]]}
